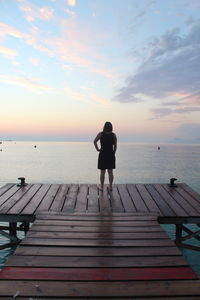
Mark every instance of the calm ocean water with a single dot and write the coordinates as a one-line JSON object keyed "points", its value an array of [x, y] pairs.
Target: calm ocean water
{"points": [[64, 162]]}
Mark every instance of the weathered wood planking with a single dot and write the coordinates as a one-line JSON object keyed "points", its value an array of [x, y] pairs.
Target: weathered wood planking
{"points": [[97, 235], [94, 251], [115, 248], [95, 262], [94, 289], [90, 255], [159, 199], [100, 274]]}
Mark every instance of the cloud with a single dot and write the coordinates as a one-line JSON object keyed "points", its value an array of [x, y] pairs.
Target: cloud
{"points": [[71, 13], [10, 53], [190, 3], [86, 96], [25, 82], [75, 95], [99, 99], [75, 47], [6, 29], [32, 12], [172, 66], [32, 38], [71, 2], [161, 112], [35, 39]]}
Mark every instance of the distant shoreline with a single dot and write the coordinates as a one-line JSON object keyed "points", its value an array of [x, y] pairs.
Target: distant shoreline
{"points": [[91, 141]]}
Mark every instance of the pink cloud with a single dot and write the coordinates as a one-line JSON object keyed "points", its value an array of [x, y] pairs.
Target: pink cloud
{"points": [[10, 53], [74, 47], [32, 12], [9, 30], [86, 96], [34, 39], [71, 2], [99, 99], [25, 82]]}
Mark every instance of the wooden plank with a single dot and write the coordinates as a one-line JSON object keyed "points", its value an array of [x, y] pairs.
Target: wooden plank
{"points": [[179, 211], [95, 262], [59, 199], [189, 199], [98, 217], [126, 199], [6, 206], [157, 298], [5, 188], [137, 199], [148, 199], [46, 202], [115, 200], [97, 229], [96, 274], [97, 235], [23, 202], [95, 251], [71, 197], [96, 223], [8, 194], [81, 203], [93, 198], [164, 207], [118, 298], [104, 203], [100, 288], [184, 197], [190, 191], [36, 200], [189, 210], [97, 243]]}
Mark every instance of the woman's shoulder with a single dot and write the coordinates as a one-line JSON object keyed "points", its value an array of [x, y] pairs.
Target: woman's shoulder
{"points": [[97, 137], [100, 134]]}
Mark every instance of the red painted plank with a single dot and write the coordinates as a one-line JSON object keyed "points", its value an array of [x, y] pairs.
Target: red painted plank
{"points": [[94, 274]]}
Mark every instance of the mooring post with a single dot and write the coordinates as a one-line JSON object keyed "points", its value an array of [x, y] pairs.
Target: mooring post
{"points": [[172, 184], [22, 182]]}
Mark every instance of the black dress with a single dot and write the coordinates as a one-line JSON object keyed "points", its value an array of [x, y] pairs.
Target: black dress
{"points": [[106, 158]]}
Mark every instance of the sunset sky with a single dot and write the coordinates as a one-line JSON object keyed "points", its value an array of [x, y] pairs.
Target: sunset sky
{"points": [[67, 66]]}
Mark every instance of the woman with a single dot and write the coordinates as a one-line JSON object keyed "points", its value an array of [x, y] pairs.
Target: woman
{"points": [[108, 147]]}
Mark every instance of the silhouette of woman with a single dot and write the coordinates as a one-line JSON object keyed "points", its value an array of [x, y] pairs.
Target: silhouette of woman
{"points": [[108, 147]]}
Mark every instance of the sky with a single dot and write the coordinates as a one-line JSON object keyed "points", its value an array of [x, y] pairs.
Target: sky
{"points": [[68, 66]]}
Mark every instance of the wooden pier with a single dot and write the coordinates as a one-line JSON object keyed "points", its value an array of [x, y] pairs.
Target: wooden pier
{"points": [[89, 244]]}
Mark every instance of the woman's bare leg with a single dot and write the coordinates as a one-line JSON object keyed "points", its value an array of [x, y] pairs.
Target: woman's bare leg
{"points": [[102, 178], [110, 177]]}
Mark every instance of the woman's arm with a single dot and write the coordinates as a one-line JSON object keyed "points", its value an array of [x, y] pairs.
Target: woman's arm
{"points": [[115, 143], [97, 138]]}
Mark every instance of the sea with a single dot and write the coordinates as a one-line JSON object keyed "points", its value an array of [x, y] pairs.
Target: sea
{"points": [[76, 162]]}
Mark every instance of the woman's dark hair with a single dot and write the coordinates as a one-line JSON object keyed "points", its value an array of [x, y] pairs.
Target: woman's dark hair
{"points": [[107, 127]]}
